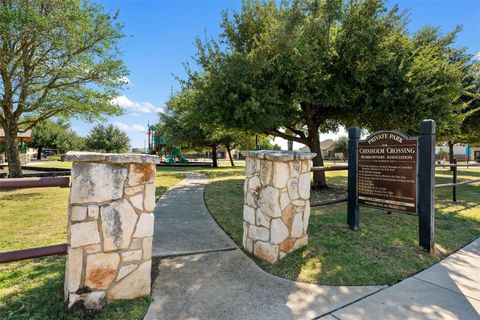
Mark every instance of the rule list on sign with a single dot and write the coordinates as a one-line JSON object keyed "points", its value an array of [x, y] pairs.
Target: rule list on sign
{"points": [[387, 172]]}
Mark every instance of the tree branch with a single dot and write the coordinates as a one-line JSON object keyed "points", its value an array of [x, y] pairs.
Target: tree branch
{"points": [[283, 135]]}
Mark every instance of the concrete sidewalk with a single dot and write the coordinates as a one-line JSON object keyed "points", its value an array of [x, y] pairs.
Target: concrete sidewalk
{"points": [[203, 275], [183, 224], [448, 290], [222, 282]]}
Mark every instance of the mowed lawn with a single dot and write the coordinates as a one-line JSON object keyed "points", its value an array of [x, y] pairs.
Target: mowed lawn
{"points": [[385, 249], [33, 289]]}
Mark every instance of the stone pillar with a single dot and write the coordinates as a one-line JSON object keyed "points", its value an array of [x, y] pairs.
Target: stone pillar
{"points": [[110, 227], [276, 202]]}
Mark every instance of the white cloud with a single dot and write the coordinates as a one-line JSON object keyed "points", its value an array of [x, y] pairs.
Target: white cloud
{"points": [[126, 127], [477, 56], [124, 80], [125, 103]]}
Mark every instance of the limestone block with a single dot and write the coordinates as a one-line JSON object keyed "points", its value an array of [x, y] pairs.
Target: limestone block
{"points": [[304, 186], [101, 269], [284, 200], [84, 233], [144, 226], [134, 285], [287, 215], [93, 300], [78, 213], [250, 197], [133, 190], [306, 216], [287, 245], [261, 219], [266, 251], [137, 201], [73, 298], [269, 203], [258, 233], [292, 187], [245, 235], [137, 243], [245, 186], [93, 211], [118, 222], [133, 255], [74, 269], [149, 200], [125, 270], [278, 231], [254, 183], [92, 248], [306, 166], [280, 174], [251, 167], [249, 214], [302, 242], [96, 182], [249, 247], [141, 173], [295, 168], [147, 247], [266, 172], [297, 226]]}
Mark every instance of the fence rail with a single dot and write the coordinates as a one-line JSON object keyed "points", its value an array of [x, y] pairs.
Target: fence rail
{"points": [[33, 253], [21, 183], [18, 183], [453, 167]]}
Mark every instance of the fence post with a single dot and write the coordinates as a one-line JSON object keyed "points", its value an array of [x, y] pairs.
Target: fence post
{"points": [[454, 188], [353, 214], [110, 228], [276, 206], [426, 185]]}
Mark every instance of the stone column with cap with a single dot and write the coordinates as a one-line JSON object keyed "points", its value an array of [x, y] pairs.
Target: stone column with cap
{"points": [[276, 206], [110, 227]]}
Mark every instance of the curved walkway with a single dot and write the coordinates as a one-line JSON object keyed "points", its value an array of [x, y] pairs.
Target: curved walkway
{"points": [[221, 282], [201, 274]]}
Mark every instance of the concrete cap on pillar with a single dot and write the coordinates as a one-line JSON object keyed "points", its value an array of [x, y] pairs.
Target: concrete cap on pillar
{"points": [[111, 157], [279, 155]]}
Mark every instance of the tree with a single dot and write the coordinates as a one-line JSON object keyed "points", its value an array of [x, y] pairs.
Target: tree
{"points": [[303, 67], [51, 135], [341, 146], [107, 139], [57, 58]]}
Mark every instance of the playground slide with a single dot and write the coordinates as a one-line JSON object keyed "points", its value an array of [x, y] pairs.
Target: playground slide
{"points": [[175, 153]]}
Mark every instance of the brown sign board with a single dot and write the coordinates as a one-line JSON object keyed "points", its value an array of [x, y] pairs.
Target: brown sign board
{"points": [[387, 171]]}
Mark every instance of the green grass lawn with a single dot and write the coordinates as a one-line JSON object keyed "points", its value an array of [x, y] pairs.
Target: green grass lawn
{"points": [[384, 250], [33, 289]]}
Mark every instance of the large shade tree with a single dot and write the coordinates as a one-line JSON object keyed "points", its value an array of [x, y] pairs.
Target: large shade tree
{"points": [[107, 139], [301, 67], [57, 58]]}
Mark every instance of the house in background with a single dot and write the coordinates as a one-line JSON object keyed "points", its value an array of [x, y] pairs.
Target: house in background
{"points": [[327, 150]]}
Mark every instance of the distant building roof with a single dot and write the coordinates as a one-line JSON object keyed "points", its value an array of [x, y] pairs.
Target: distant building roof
{"points": [[25, 135], [324, 145]]}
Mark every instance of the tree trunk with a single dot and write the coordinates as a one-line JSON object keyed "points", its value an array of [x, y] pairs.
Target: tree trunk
{"points": [[230, 156], [450, 151], [39, 153], [214, 156], [319, 181], [11, 150]]}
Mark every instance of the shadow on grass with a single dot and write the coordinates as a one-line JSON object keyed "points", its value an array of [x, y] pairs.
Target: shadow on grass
{"points": [[33, 289], [384, 251]]}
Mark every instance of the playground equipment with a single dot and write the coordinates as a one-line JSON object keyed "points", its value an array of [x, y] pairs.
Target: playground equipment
{"points": [[175, 152]]}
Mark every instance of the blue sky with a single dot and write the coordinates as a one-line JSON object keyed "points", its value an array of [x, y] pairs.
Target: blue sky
{"points": [[160, 38]]}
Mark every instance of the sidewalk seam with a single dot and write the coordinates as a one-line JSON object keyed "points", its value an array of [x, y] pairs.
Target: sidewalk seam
{"points": [[350, 303], [448, 289]]}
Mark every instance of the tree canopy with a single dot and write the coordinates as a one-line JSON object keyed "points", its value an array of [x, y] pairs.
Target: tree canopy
{"points": [[57, 58], [302, 67], [107, 139]]}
